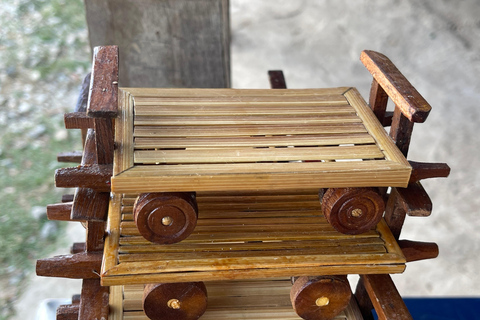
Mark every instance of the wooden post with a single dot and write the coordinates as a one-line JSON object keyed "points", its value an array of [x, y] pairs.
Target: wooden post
{"points": [[165, 43]]}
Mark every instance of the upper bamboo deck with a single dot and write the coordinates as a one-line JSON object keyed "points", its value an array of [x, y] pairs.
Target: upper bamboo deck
{"points": [[230, 139]]}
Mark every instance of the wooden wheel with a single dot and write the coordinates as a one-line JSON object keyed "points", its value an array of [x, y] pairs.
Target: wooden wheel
{"points": [[353, 210], [165, 217], [180, 301], [320, 298]]}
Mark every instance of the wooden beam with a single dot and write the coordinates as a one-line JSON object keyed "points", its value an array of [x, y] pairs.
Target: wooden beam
{"points": [[415, 200], [103, 95], [96, 177], [415, 250], [385, 298], [75, 266], [78, 120], [70, 156], [424, 170], [397, 87], [378, 100], [90, 205], [277, 80], [68, 312], [94, 301]]}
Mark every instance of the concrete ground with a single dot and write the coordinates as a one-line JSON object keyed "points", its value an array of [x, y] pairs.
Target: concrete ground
{"points": [[436, 45]]}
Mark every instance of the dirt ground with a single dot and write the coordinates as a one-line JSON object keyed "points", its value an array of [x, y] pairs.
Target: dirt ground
{"points": [[436, 44]]}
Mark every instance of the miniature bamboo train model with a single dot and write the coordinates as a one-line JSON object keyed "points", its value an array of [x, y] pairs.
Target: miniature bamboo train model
{"points": [[184, 191]]}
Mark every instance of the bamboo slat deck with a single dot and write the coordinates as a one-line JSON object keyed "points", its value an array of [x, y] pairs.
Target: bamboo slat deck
{"points": [[233, 300], [228, 139], [245, 236]]}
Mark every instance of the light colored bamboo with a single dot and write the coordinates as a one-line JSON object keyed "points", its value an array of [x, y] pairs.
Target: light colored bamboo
{"points": [[123, 154], [116, 303]]}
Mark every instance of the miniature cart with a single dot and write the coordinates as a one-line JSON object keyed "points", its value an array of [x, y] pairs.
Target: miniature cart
{"points": [[211, 185]]}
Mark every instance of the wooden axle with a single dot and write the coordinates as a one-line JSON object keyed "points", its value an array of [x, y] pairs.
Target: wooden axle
{"points": [[353, 210], [180, 301], [320, 298], [165, 218]]}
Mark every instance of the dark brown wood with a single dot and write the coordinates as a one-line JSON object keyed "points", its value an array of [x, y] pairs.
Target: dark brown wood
{"points": [[94, 302], [78, 120], [94, 176], [67, 197], [75, 266], [72, 156], [165, 218], [104, 141], [76, 298], [385, 298], [95, 236], [363, 301], [320, 298], [387, 120], [378, 101], [277, 80], [179, 301], [415, 250], [89, 149], [59, 211], [415, 200], [398, 88], [82, 101], [395, 213], [90, 205], [353, 210], [401, 131], [424, 170], [102, 100], [168, 43], [78, 247], [68, 312]]}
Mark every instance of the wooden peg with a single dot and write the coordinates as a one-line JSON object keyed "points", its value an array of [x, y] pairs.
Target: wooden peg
{"points": [[415, 200], [320, 298], [180, 301], [93, 176], [68, 312], [416, 250], [423, 170], [72, 156], [74, 266], [353, 210], [165, 217], [94, 301], [78, 120], [59, 211]]}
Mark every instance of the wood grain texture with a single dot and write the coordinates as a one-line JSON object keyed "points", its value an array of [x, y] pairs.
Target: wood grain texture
{"points": [[277, 80], [94, 301], [401, 131], [102, 98], [378, 101], [398, 88], [59, 211], [70, 156], [415, 200], [167, 43], [96, 177], [416, 250], [78, 120], [68, 312], [385, 298], [76, 266], [424, 170]]}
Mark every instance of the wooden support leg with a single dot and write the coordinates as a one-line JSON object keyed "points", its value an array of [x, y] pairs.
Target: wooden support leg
{"points": [[363, 300], [180, 301], [353, 210], [94, 300], [320, 298], [165, 217]]}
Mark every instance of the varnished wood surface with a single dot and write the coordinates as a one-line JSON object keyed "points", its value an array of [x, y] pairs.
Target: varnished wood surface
{"points": [[252, 236], [230, 139], [232, 300]]}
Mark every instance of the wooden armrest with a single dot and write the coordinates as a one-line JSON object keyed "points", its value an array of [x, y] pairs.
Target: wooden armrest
{"points": [[397, 87]]}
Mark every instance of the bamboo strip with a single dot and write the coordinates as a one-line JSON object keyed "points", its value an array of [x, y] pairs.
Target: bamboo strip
{"points": [[253, 154], [123, 153], [269, 141], [375, 129], [112, 239], [116, 303], [245, 120], [246, 130], [214, 108], [230, 93]]}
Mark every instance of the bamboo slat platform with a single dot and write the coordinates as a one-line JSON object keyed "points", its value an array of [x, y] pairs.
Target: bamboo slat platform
{"points": [[233, 300], [231, 139], [245, 236]]}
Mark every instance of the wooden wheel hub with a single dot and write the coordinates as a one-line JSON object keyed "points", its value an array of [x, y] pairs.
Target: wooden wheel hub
{"points": [[320, 298], [165, 217], [353, 210], [180, 301]]}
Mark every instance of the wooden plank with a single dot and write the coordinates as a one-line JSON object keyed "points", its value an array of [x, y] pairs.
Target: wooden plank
{"points": [[225, 155], [245, 120], [162, 109], [270, 141], [71, 156], [95, 236], [94, 302], [149, 92], [59, 211], [102, 98], [385, 298], [93, 176], [104, 140], [177, 44], [123, 153], [378, 100], [246, 130], [398, 88], [78, 120], [401, 131], [76, 266]]}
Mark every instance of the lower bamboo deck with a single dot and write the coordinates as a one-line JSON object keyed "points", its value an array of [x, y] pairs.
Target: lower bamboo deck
{"points": [[245, 236], [233, 300]]}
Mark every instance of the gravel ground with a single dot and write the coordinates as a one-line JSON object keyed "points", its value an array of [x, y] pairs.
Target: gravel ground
{"points": [[436, 44]]}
